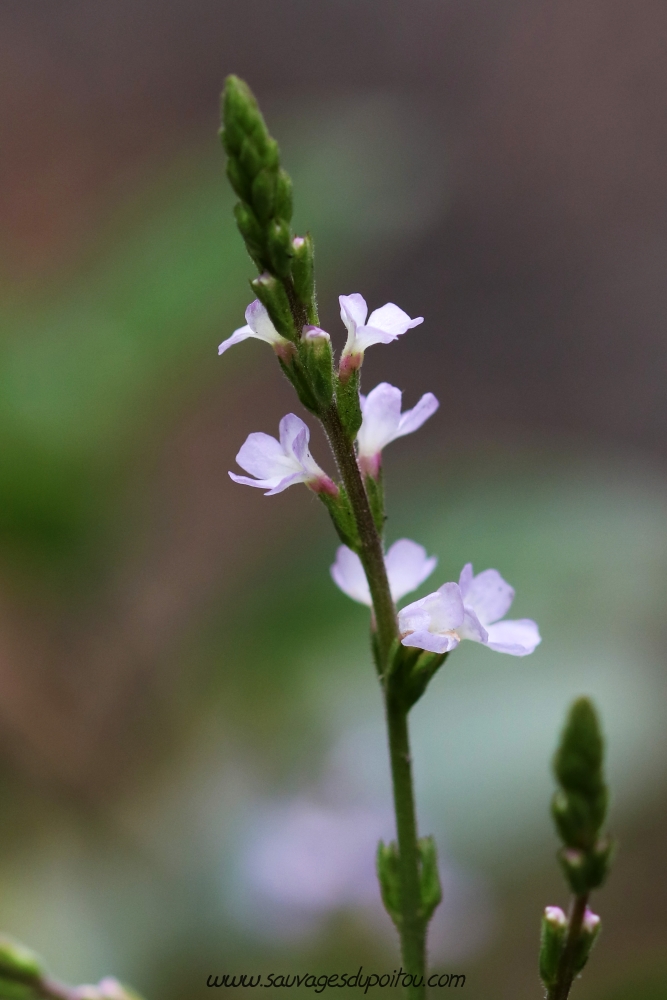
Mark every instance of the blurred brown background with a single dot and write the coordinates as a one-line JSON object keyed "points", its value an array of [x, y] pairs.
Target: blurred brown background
{"points": [[178, 678]]}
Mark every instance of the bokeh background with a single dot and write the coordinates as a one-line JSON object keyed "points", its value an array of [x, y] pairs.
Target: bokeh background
{"points": [[193, 771]]}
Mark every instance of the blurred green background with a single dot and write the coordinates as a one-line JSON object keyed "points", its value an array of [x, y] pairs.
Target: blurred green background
{"points": [[193, 765]]}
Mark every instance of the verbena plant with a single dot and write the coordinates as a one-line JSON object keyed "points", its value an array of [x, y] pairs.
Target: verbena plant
{"points": [[410, 644]]}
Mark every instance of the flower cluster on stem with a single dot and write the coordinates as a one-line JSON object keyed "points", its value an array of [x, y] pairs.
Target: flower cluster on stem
{"points": [[408, 645]]}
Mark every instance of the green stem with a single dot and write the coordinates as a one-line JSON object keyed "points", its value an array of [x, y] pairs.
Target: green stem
{"points": [[412, 928], [566, 973], [371, 553]]}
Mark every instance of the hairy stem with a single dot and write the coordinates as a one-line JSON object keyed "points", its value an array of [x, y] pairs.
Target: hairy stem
{"points": [[412, 929], [561, 990], [371, 554]]}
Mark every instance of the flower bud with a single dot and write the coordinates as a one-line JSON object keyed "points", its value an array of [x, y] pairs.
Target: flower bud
{"points": [[580, 805], [303, 269], [317, 358], [590, 929], [552, 942]]}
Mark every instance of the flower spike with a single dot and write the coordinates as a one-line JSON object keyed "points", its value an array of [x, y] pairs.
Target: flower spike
{"points": [[469, 609], [279, 464], [407, 567], [384, 325], [259, 327], [383, 423]]}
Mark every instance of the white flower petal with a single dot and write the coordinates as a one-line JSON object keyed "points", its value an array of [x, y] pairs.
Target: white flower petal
{"points": [[447, 611], [413, 419], [487, 594], [519, 638], [381, 410], [276, 484], [259, 327], [472, 628], [259, 320], [429, 641], [279, 464], [392, 320], [408, 566], [294, 436], [239, 335], [348, 574], [353, 311], [262, 456], [441, 611], [367, 336]]}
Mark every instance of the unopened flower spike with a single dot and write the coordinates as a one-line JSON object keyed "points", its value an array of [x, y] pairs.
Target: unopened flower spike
{"points": [[259, 327], [469, 609], [277, 464], [407, 564], [384, 325], [383, 422]]}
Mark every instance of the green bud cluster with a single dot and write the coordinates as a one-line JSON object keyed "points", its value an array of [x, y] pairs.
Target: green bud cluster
{"points": [[388, 871], [286, 282], [579, 806], [264, 211]]}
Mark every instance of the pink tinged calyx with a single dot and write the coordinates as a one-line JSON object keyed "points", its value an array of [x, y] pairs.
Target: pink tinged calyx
{"points": [[276, 464], [259, 327], [383, 423]]}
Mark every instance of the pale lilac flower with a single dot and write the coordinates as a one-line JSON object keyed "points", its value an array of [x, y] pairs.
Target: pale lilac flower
{"points": [[407, 567], [260, 327], [469, 609], [279, 464], [383, 422], [384, 325]]}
